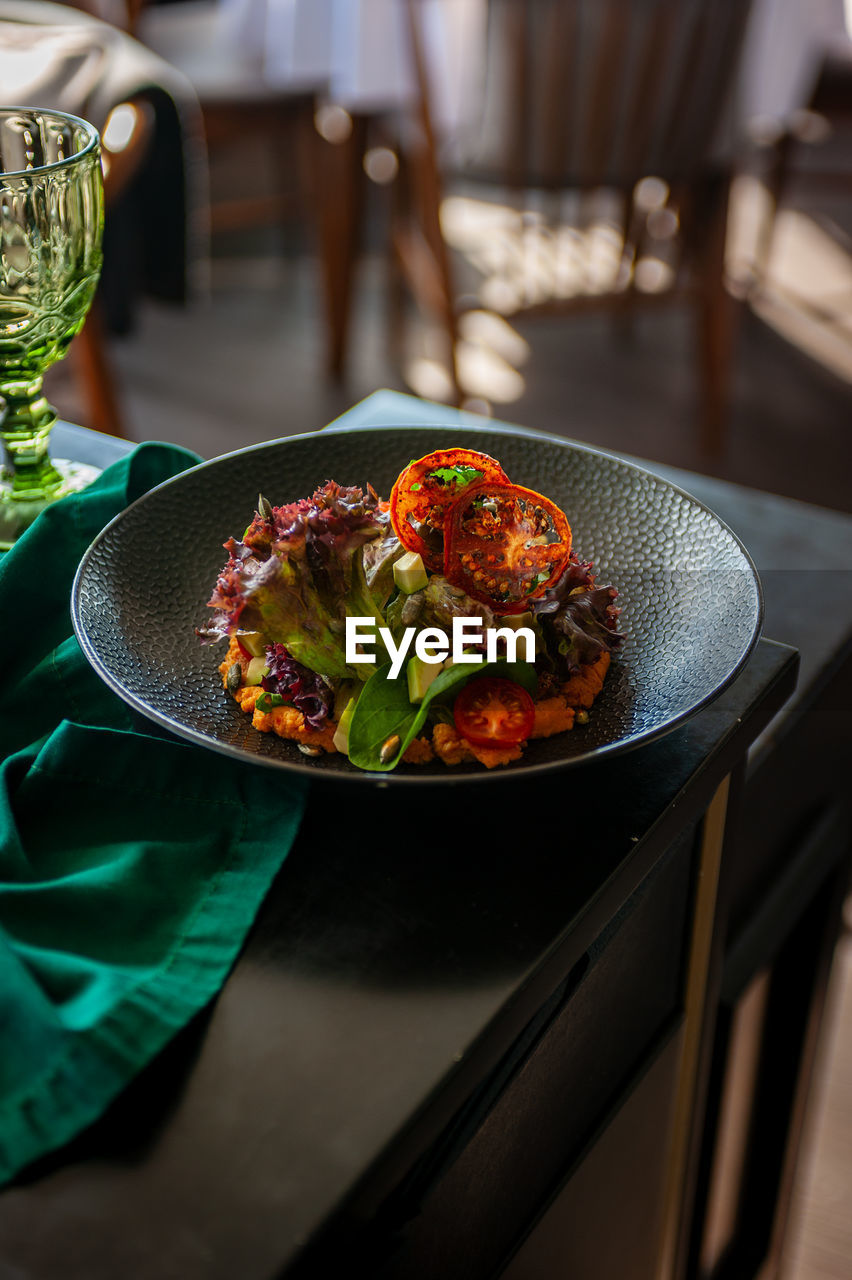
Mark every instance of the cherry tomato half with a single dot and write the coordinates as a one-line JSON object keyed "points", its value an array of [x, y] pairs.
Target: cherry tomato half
{"points": [[494, 712], [424, 492], [505, 545]]}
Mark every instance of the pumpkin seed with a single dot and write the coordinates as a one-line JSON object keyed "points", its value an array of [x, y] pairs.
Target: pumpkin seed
{"points": [[307, 750], [264, 507], [389, 748], [234, 677]]}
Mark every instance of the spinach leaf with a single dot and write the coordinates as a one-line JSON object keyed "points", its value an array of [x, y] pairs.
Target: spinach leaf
{"points": [[384, 709]]}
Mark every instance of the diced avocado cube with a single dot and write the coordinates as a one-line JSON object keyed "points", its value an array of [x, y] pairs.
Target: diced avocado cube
{"points": [[514, 620], [256, 670], [345, 692], [420, 675], [409, 573], [253, 641], [341, 733]]}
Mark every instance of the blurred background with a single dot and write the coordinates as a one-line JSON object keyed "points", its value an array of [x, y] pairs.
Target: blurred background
{"points": [[634, 235], [624, 223]]}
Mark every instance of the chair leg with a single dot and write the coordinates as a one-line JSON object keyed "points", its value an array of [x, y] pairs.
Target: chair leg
{"points": [[632, 235], [88, 351], [451, 327], [776, 179], [395, 305], [717, 317], [339, 187]]}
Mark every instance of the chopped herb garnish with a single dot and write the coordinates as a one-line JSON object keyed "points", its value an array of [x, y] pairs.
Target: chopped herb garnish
{"points": [[267, 701], [537, 581], [460, 475]]}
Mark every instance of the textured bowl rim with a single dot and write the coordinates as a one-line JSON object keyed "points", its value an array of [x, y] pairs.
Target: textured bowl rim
{"points": [[518, 769]]}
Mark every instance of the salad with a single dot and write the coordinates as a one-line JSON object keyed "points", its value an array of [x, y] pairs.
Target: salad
{"points": [[453, 622]]}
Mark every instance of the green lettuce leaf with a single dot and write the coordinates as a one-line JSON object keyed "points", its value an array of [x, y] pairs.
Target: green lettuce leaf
{"points": [[299, 573]]}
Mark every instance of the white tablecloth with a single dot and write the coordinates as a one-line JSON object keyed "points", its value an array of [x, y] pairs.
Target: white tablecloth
{"points": [[358, 50], [782, 51]]}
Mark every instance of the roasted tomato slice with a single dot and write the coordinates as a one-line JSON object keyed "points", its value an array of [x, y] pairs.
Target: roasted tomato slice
{"points": [[505, 545], [493, 712], [425, 490]]}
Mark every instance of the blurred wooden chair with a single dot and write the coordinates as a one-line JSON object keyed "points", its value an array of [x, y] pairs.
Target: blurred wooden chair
{"points": [[813, 146], [77, 72], [239, 107], [623, 97], [315, 180], [124, 141]]}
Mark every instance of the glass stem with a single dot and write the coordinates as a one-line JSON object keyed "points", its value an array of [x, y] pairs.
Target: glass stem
{"points": [[26, 429]]}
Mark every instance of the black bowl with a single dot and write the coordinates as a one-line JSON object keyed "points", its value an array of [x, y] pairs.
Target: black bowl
{"points": [[689, 594]]}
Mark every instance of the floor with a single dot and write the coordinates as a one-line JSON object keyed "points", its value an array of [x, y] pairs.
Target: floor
{"points": [[246, 365]]}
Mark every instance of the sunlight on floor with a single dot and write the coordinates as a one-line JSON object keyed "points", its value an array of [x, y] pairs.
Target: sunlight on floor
{"points": [[796, 275], [803, 290], [523, 258], [518, 258]]}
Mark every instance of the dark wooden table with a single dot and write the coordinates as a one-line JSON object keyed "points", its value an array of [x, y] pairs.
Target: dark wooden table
{"points": [[492, 1036]]}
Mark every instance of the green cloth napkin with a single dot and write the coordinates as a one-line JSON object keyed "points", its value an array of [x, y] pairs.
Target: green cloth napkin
{"points": [[131, 866]]}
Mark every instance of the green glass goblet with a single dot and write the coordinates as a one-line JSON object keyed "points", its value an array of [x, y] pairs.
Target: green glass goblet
{"points": [[51, 226]]}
